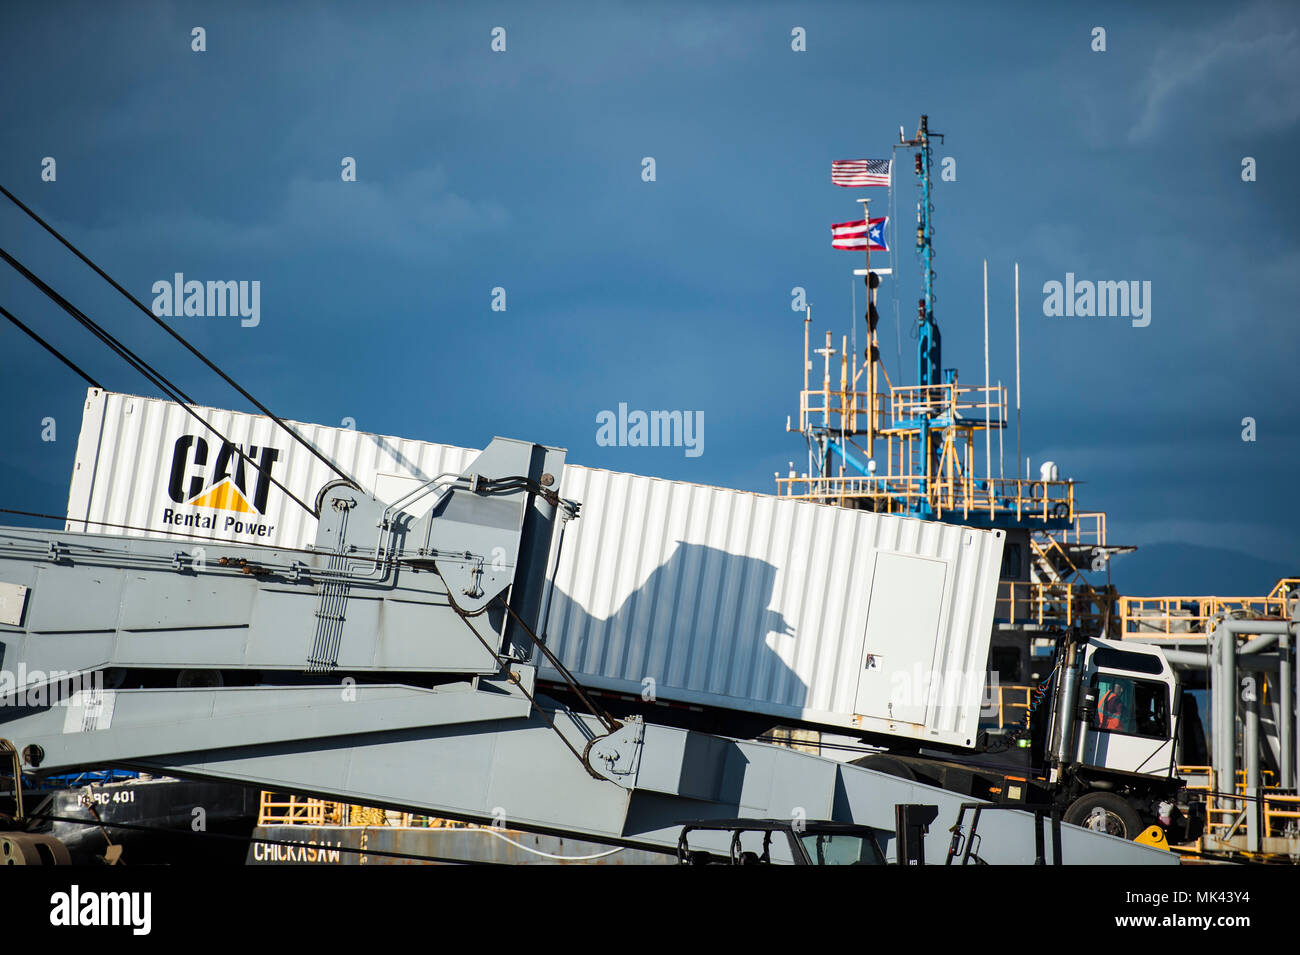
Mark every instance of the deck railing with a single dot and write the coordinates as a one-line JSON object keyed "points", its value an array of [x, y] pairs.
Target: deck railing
{"points": [[277, 809], [1189, 618], [1027, 500], [1051, 604]]}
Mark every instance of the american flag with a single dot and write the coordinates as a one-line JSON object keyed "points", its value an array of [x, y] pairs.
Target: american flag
{"points": [[861, 172], [856, 235]]}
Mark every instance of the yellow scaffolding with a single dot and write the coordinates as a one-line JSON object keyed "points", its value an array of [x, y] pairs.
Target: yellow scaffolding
{"points": [[941, 473], [276, 809], [1190, 618], [1230, 816]]}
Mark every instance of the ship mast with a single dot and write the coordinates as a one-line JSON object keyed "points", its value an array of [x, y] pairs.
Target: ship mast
{"points": [[928, 349]]}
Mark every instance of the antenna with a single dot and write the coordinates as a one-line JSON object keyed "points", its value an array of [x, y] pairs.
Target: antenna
{"points": [[1001, 431], [988, 438], [1018, 378]]}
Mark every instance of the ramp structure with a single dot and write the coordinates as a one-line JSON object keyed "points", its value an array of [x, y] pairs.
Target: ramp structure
{"points": [[394, 664]]}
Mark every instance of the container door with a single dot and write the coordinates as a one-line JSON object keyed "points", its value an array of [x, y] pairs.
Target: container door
{"points": [[902, 631]]}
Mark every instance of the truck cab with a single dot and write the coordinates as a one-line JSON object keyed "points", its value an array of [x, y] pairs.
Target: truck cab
{"points": [[1112, 733], [1129, 692]]}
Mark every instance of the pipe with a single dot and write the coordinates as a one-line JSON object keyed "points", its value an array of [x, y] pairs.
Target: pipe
{"points": [[1238, 627], [1216, 704], [1067, 704], [1188, 658], [1250, 754], [1259, 643], [1227, 780], [849, 458], [1286, 724], [1226, 690], [1212, 687], [1250, 743], [1265, 632], [1265, 663]]}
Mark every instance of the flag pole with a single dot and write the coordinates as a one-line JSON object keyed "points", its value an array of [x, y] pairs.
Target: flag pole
{"points": [[871, 340]]}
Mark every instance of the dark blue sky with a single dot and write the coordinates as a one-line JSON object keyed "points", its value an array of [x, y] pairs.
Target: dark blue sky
{"points": [[522, 170]]}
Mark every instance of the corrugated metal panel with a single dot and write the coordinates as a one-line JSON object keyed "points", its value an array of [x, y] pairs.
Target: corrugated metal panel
{"points": [[720, 597], [696, 594]]}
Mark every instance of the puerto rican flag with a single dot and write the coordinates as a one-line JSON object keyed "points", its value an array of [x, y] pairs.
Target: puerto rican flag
{"points": [[860, 234], [861, 172]]}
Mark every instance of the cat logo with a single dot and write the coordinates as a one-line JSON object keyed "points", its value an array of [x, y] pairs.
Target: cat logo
{"points": [[222, 484], [225, 485]]}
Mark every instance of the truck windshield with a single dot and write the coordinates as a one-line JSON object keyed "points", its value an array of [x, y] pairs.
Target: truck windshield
{"points": [[1135, 707], [825, 848]]}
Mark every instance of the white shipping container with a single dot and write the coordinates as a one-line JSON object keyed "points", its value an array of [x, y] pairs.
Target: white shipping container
{"points": [[665, 590], [130, 448]]}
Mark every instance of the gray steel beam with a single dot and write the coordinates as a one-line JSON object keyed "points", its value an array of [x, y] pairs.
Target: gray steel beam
{"points": [[380, 593], [1223, 707], [1286, 716], [663, 777], [114, 726], [526, 598], [1261, 662], [1250, 754], [482, 755], [1240, 626]]}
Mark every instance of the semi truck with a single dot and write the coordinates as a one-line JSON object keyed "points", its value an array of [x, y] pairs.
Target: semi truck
{"points": [[1103, 737]]}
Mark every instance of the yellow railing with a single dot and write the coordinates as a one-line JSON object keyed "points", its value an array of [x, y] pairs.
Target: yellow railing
{"points": [[944, 477], [1188, 618], [1221, 816], [1026, 602], [1189, 773], [1013, 703], [949, 405], [1281, 815], [895, 493], [1089, 528], [279, 810], [1284, 588], [961, 404], [841, 409], [1224, 813]]}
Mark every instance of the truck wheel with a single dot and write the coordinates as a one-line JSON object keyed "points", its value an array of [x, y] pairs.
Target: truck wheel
{"points": [[1105, 812]]}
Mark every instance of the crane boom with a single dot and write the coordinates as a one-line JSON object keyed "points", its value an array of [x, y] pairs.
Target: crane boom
{"points": [[394, 664]]}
